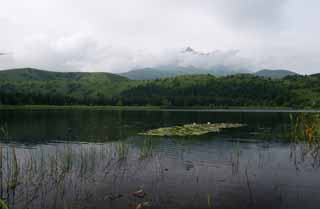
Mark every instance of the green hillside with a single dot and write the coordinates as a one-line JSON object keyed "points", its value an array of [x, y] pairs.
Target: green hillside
{"points": [[31, 74], [32, 86]]}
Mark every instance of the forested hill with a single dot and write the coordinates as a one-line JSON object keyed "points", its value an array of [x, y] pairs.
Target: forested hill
{"points": [[236, 90], [30, 86], [31, 74]]}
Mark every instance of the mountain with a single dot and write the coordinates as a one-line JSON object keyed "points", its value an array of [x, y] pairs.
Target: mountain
{"points": [[31, 74], [173, 71], [276, 74], [29, 86]]}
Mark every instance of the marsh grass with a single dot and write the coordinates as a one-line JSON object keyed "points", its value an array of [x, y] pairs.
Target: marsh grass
{"points": [[235, 158], [209, 201], [4, 132], [15, 170], [122, 149], [147, 149], [3, 205], [305, 136]]}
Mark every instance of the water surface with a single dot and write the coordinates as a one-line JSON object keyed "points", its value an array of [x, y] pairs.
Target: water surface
{"points": [[96, 159]]}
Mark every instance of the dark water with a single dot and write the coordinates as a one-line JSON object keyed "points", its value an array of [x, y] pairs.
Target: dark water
{"points": [[96, 159]]}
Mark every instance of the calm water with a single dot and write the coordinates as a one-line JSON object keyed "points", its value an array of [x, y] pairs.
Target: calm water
{"points": [[96, 159]]}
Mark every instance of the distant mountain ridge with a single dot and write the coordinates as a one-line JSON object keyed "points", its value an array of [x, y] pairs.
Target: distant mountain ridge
{"points": [[173, 71], [32, 74], [277, 74]]}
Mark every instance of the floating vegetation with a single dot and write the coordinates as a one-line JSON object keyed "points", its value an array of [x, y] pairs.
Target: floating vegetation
{"points": [[191, 129]]}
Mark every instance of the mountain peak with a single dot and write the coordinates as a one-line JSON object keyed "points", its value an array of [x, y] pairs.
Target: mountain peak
{"points": [[189, 49]]}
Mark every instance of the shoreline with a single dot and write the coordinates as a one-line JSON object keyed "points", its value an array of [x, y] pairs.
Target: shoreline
{"points": [[156, 108]]}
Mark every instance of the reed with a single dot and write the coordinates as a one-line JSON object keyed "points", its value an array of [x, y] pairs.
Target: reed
{"points": [[209, 201], [305, 135], [146, 149], [3, 204], [4, 132], [15, 170], [122, 149]]}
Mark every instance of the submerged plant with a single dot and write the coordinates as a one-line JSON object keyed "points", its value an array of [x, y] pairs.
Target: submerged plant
{"points": [[191, 129]]}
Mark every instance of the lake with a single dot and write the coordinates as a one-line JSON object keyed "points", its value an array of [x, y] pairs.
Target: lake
{"points": [[94, 159]]}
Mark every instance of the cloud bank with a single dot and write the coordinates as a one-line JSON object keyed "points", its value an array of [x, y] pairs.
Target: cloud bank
{"points": [[116, 36]]}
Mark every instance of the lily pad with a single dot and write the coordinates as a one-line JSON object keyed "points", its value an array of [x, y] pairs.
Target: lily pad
{"points": [[191, 129]]}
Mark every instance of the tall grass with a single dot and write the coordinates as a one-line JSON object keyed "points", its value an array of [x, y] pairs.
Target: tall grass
{"points": [[122, 149], [4, 132], [146, 149], [305, 135], [3, 204]]}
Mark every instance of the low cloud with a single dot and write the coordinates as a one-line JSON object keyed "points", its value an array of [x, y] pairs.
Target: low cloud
{"points": [[84, 53]]}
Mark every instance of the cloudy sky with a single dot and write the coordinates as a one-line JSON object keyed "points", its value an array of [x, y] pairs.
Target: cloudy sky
{"points": [[118, 35]]}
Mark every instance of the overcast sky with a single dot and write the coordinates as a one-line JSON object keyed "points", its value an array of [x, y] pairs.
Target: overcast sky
{"points": [[118, 35]]}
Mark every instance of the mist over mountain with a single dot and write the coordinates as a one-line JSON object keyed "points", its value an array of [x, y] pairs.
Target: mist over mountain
{"points": [[278, 74], [192, 62]]}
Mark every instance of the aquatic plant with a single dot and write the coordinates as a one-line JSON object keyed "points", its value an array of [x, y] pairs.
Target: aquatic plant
{"points": [[305, 127], [122, 149], [4, 132], [3, 204], [305, 135], [209, 201], [191, 129], [146, 149], [15, 170], [235, 158]]}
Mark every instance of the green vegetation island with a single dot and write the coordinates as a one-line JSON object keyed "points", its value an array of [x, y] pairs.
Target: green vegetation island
{"points": [[27, 88]]}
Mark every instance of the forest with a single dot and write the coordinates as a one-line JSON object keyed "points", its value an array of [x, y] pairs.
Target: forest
{"points": [[35, 87]]}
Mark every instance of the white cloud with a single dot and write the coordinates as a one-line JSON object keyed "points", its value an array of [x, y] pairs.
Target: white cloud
{"points": [[109, 35]]}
